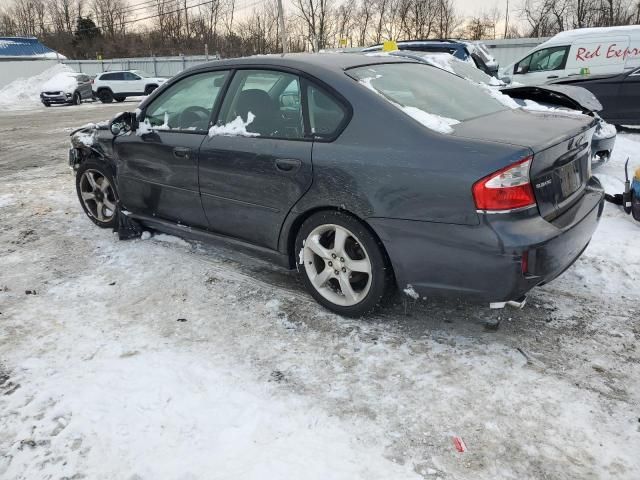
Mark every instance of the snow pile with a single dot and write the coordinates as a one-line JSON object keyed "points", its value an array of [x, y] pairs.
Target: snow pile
{"points": [[532, 106], [144, 128], [24, 93], [429, 120], [237, 127], [506, 100], [442, 61], [604, 130], [85, 138], [61, 82]]}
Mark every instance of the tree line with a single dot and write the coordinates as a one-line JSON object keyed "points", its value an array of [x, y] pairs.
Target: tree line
{"points": [[129, 28]]}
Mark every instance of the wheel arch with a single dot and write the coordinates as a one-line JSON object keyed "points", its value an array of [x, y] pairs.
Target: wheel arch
{"points": [[292, 227]]}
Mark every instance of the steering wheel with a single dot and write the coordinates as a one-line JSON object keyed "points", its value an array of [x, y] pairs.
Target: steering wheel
{"points": [[195, 116]]}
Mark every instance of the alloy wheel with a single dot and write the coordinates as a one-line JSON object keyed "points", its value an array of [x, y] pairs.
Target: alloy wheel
{"points": [[337, 265], [98, 195]]}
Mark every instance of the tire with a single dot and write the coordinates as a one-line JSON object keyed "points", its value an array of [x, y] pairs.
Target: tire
{"points": [[77, 99], [105, 96], [47, 104], [149, 89], [120, 99], [326, 267], [97, 199]]}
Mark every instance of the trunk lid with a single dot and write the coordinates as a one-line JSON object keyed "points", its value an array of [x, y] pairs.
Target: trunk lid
{"points": [[561, 147]]}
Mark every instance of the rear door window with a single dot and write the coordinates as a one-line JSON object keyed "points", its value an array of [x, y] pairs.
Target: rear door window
{"points": [[326, 113], [268, 102]]}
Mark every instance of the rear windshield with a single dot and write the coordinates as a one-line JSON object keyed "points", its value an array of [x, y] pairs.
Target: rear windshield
{"points": [[427, 88]]}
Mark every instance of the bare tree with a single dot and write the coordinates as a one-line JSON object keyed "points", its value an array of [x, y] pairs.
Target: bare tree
{"points": [[316, 19]]}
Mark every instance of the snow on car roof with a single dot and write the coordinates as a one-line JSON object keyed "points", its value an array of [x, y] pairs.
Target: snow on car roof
{"points": [[580, 32]]}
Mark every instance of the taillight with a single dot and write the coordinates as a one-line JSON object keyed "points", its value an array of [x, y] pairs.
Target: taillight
{"points": [[506, 189], [92, 81]]}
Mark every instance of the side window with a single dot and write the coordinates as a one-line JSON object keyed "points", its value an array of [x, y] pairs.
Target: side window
{"points": [[186, 105], [130, 76], [547, 59], [326, 114], [268, 103]]}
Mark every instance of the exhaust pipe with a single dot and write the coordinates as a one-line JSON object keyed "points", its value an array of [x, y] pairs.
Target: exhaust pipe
{"points": [[520, 303]]}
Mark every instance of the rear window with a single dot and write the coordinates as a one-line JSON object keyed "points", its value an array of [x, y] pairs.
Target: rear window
{"points": [[427, 89]]}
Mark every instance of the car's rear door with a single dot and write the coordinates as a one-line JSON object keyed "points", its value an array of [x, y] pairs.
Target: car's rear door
{"points": [[253, 174], [158, 165]]}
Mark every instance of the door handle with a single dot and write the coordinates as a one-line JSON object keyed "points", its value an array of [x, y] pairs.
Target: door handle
{"points": [[181, 152], [288, 164], [552, 76]]}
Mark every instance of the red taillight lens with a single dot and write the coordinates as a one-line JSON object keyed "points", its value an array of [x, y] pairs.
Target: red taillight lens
{"points": [[524, 262], [506, 189]]}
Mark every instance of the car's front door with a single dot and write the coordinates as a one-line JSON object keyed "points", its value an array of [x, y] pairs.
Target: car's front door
{"points": [[158, 165], [541, 66], [256, 162]]}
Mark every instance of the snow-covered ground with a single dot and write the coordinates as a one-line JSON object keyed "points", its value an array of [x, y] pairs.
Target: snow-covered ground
{"points": [[165, 359]]}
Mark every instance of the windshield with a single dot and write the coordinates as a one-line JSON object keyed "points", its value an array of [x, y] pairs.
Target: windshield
{"points": [[140, 73], [427, 89], [464, 69]]}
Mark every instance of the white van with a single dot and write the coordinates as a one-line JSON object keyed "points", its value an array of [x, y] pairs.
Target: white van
{"points": [[585, 51]]}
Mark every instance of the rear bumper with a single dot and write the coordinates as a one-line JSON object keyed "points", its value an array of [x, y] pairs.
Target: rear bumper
{"points": [[485, 262]]}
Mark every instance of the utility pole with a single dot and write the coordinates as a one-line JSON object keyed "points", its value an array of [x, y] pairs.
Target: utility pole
{"points": [[283, 33], [506, 21]]}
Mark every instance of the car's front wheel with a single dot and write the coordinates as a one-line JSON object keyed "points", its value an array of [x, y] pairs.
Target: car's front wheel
{"points": [[342, 264], [97, 193], [77, 100]]}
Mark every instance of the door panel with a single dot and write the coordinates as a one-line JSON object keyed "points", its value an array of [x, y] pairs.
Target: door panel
{"points": [[248, 185], [158, 171], [249, 182], [628, 101], [158, 175]]}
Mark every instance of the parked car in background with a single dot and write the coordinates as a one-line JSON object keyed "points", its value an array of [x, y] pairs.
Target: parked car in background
{"points": [[110, 86], [482, 58], [365, 173], [619, 94], [584, 51], [568, 97], [462, 50], [66, 87]]}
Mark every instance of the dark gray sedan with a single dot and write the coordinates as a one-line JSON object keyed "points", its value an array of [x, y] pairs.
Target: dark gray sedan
{"points": [[364, 173]]}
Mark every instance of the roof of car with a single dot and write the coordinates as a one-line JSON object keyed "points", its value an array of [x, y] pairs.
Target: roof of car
{"points": [[328, 61]]}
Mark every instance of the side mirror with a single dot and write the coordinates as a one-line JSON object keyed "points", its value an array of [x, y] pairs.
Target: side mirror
{"points": [[123, 123]]}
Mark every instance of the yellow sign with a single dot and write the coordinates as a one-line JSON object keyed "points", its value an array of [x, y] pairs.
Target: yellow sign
{"points": [[389, 46], [343, 42], [584, 71], [99, 57]]}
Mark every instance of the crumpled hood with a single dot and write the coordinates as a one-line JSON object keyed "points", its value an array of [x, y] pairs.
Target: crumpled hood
{"points": [[569, 96]]}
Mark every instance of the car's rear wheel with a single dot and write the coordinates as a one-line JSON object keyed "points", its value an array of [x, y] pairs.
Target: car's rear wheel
{"points": [[97, 193], [77, 100], [342, 264], [105, 96]]}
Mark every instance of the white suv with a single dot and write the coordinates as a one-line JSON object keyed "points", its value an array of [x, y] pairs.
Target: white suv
{"points": [[110, 86]]}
